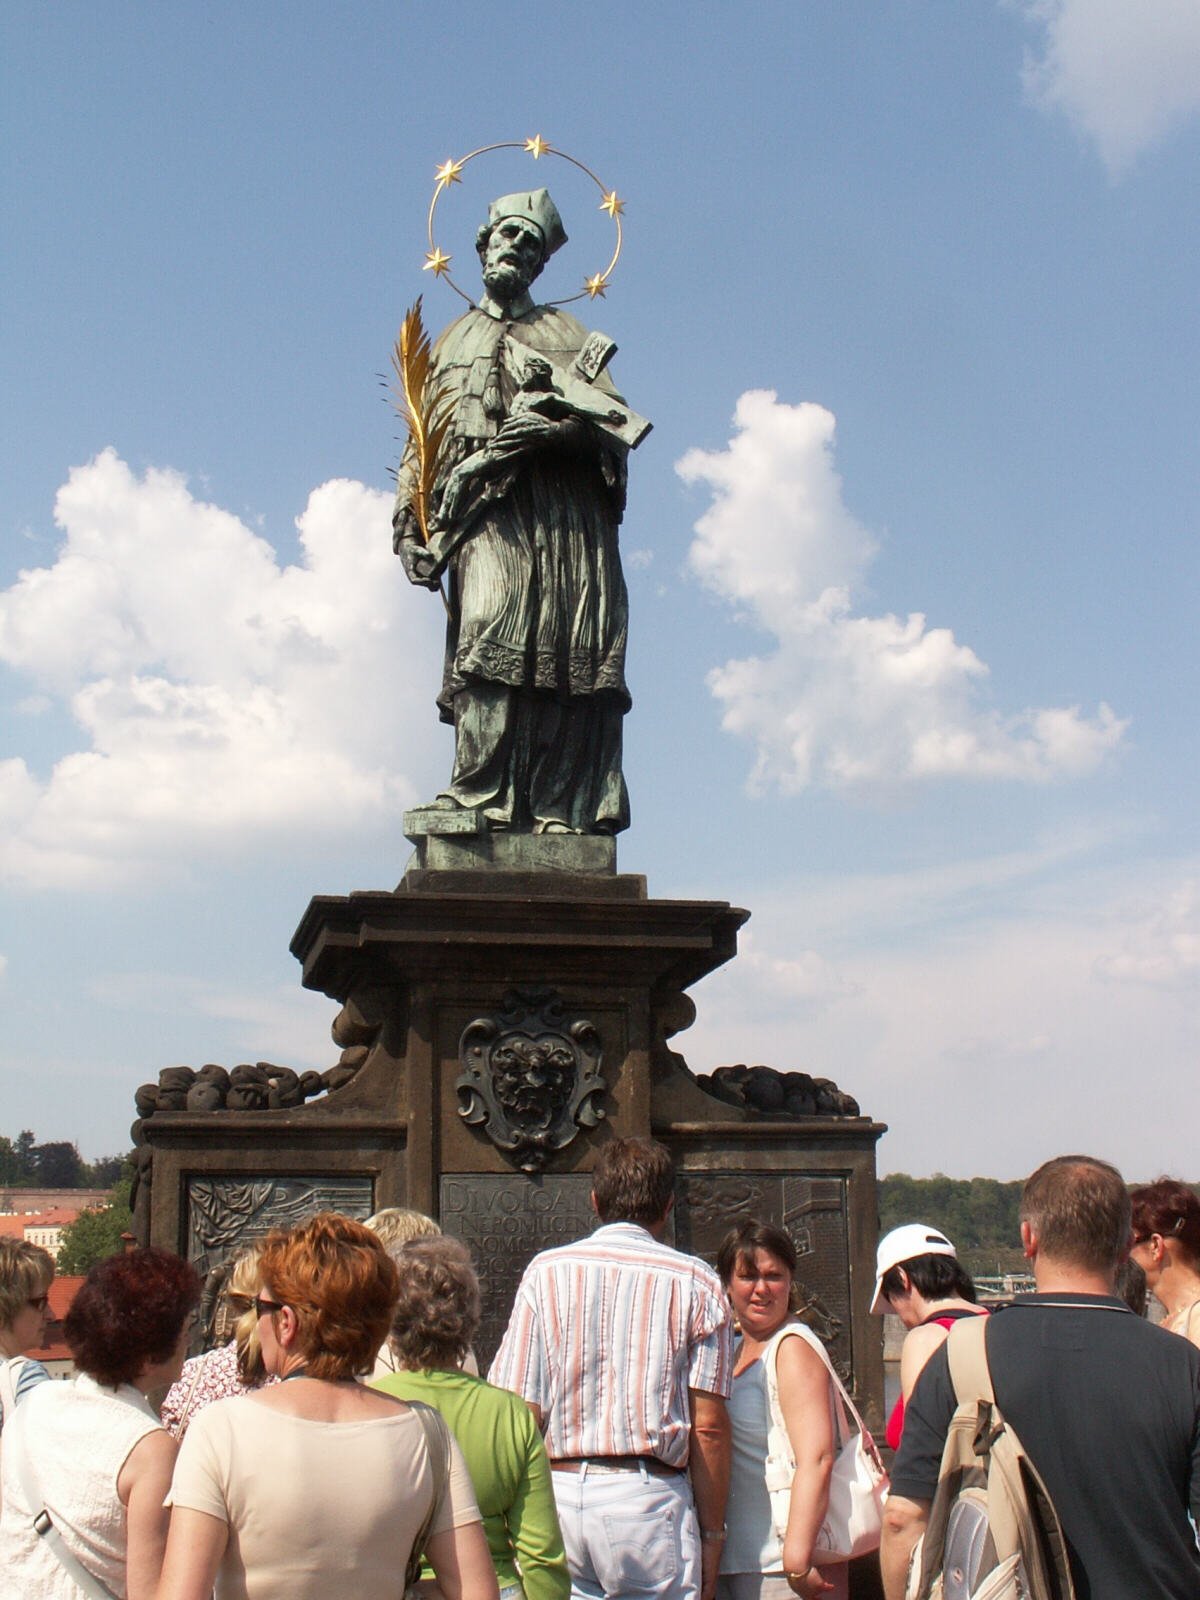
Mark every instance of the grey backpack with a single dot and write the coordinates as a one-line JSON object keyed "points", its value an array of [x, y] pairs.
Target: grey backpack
{"points": [[993, 1532]]}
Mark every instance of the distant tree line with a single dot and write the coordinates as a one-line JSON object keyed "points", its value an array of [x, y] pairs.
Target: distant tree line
{"points": [[980, 1215], [57, 1164], [976, 1213]]}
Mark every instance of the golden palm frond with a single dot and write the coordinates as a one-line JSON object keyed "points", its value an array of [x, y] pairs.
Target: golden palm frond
{"points": [[427, 408]]}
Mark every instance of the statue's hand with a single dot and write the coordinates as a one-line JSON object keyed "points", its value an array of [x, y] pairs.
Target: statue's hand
{"points": [[529, 429], [419, 564], [452, 497], [405, 526]]}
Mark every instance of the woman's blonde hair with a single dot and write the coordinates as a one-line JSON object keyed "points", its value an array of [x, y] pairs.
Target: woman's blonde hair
{"points": [[26, 1270], [237, 1315], [396, 1226]]}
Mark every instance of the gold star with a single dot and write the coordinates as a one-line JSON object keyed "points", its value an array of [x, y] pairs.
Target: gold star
{"points": [[594, 286], [614, 207], [536, 146], [437, 263], [448, 173]]}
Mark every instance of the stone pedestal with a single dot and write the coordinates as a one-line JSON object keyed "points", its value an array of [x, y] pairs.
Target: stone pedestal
{"points": [[424, 964], [498, 1022]]}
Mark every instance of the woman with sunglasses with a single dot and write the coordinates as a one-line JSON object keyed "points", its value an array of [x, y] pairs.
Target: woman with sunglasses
{"points": [[319, 1485], [26, 1273], [1166, 1245], [91, 1456], [233, 1367]]}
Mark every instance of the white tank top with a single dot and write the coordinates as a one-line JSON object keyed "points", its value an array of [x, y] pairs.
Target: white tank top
{"points": [[76, 1436]]}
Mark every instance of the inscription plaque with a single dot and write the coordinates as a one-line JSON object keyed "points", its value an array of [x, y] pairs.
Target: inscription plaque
{"points": [[504, 1221], [811, 1209]]}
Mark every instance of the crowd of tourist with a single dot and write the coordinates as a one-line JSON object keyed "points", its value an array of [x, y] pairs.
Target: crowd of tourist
{"points": [[650, 1427]]}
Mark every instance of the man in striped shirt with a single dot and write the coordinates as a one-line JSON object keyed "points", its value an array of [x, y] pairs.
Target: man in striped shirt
{"points": [[623, 1349]]}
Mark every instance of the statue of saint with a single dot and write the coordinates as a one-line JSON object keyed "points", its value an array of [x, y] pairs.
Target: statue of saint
{"points": [[523, 519]]}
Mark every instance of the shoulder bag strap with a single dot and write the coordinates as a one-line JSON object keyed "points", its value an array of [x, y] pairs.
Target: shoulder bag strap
{"points": [[9, 1372], [769, 1358], [437, 1443], [180, 1428], [46, 1531], [847, 1404]]}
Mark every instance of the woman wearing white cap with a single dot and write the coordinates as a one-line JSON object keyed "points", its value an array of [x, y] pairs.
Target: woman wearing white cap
{"points": [[918, 1277]]}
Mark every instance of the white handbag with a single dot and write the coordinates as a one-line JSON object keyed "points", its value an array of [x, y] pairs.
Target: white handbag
{"points": [[853, 1520]]}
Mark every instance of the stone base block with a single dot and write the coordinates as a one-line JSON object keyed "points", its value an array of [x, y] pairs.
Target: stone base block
{"points": [[593, 855]]}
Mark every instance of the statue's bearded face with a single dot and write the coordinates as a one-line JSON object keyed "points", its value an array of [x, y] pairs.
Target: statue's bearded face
{"points": [[512, 258]]}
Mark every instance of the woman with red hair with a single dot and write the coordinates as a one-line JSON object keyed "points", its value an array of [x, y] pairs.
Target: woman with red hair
{"points": [[318, 1485], [1166, 1245], [91, 1456]]}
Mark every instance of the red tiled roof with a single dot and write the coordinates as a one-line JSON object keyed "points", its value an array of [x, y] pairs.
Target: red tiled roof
{"points": [[62, 1293], [12, 1226], [58, 1218]]}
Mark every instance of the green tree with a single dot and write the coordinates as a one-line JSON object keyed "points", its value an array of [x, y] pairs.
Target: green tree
{"points": [[23, 1151], [9, 1166], [981, 1215], [103, 1172], [58, 1165], [96, 1235]]}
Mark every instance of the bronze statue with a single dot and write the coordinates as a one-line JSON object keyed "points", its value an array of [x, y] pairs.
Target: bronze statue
{"points": [[523, 513]]}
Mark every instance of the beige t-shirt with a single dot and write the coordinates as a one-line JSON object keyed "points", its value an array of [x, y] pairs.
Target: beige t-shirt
{"points": [[314, 1508]]}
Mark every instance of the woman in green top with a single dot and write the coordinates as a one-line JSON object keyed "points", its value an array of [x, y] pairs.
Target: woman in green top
{"points": [[435, 1320]]}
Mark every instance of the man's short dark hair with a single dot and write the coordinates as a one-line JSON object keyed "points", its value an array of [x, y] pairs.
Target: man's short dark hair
{"points": [[633, 1181], [1079, 1209]]}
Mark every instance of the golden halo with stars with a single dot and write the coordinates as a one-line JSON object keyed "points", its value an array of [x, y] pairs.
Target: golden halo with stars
{"points": [[436, 260]]}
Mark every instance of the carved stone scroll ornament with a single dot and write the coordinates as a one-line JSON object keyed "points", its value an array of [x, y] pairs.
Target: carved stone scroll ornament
{"points": [[531, 1076]]}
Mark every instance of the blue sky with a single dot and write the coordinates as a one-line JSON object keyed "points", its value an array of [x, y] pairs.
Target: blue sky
{"points": [[909, 292]]}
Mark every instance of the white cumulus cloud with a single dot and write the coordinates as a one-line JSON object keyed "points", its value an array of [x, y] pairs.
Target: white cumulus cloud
{"points": [[803, 981], [992, 1008], [846, 700], [1161, 946], [220, 697], [1125, 72]]}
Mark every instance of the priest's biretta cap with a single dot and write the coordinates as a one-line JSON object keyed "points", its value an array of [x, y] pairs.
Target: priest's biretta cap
{"points": [[536, 206]]}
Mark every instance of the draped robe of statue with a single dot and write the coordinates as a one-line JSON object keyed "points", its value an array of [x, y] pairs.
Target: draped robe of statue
{"points": [[534, 678]]}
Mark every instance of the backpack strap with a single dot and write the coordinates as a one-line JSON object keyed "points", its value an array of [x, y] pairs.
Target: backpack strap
{"points": [[966, 1351]]}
